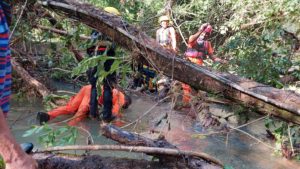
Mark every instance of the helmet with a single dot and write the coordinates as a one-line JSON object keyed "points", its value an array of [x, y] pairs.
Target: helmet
{"points": [[163, 18], [112, 10], [208, 29]]}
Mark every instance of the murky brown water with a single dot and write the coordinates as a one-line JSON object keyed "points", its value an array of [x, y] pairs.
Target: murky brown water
{"points": [[241, 152]]}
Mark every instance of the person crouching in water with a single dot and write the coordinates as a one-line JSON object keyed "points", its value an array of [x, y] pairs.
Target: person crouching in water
{"points": [[79, 105]]}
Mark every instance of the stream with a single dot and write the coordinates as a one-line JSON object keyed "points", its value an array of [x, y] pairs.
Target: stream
{"points": [[235, 149]]}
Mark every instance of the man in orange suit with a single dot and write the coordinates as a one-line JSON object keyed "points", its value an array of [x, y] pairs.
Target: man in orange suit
{"points": [[80, 106]]}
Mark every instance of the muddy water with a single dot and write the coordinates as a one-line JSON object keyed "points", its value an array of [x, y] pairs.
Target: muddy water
{"points": [[236, 150]]}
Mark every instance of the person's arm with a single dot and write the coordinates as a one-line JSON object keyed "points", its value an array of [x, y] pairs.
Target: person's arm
{"points": [[194, 37], [11, 152], [173, 38], [211, 55], [157, 36], [7, 8]]}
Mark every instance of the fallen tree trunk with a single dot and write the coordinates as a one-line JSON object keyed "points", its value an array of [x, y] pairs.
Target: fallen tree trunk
{"points": [[128, 138], [67, 161], [266, 99], [139, 149], [39, 87]]}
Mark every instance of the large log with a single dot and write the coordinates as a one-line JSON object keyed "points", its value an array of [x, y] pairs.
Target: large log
{"points": [[39, 87], [128, 138], [179, 154], [164, 147], [67, 161], [268, 100]]}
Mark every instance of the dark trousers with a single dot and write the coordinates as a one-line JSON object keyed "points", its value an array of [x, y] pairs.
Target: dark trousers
{"points": [[107, 96], [108, 83]]}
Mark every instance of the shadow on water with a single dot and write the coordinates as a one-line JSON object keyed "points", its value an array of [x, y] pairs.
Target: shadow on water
{"points": [[236, 150]]}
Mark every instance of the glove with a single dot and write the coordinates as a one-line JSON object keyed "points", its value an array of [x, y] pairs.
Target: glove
{"points": [[203, 27]]}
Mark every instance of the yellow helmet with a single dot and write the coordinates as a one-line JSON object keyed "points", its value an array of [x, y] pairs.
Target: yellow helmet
{"points": [[163, 18], [112, 10]]}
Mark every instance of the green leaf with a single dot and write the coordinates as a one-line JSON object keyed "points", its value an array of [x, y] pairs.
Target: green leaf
{"points": [[30, 131]]}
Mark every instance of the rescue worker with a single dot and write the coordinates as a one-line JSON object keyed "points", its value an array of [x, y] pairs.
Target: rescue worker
{"points": [[143, 78], [103, 44], [166, 35], [80, 105], [199, 48], [13, 156]]}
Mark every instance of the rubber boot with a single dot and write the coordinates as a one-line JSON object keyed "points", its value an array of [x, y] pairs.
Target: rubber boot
{"points": [[27, 147], [42, 117]]}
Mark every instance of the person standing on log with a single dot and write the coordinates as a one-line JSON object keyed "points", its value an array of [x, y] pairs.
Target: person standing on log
{"points": [[199, 47], [103, 46], [14, 157]]}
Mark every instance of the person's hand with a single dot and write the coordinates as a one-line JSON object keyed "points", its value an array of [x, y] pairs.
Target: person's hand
{"points": [[24, 162], [220, 60], [202, 27]]}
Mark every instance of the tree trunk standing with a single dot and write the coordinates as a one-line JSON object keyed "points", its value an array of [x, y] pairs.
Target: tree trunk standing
{"points": [[39, 87], [264, 98]]}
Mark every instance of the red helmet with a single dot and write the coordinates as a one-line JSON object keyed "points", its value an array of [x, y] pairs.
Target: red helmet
{"points": [[208, 29]]}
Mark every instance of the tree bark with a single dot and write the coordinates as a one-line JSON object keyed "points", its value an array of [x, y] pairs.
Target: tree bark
{"points": [[268, 100], [140, 149], [39, 87], [67, 161], [128, 138]]}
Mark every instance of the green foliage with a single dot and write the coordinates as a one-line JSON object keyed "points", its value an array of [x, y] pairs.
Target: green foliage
{"points": [[51, 98], [50, 136], [255, 58], [241, 112], [2, 163], [98, 61], [248, 32], [284, 133], [119, 66]]}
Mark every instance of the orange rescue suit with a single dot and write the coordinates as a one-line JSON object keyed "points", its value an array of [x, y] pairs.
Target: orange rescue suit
{"points": [[80, 104], [187, 90]]}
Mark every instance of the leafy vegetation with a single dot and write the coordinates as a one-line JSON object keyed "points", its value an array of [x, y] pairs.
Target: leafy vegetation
{"points": [[251, 34], [53, 136], [260, 38], [287, 137], [2, 164]]}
